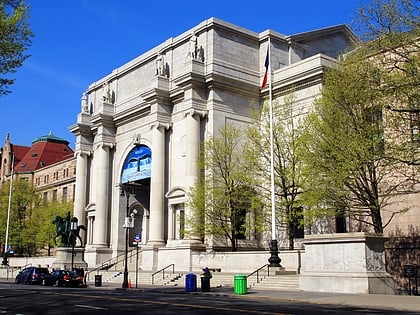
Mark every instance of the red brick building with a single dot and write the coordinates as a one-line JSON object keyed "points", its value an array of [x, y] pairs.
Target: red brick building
{"points": [[48, 164]]}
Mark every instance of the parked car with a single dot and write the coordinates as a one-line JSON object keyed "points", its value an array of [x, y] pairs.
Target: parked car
{"points": [[65, 278], [56, 277], [77, 278], [32, 275]]}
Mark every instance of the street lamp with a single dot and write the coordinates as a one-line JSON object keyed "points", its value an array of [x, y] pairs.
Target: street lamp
{"points": [[128, 224], [73, 231], [6, 246]]}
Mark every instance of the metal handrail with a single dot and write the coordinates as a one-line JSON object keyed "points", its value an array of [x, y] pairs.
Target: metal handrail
{"points": [[112, 261], [258, 271], [163, 272]]}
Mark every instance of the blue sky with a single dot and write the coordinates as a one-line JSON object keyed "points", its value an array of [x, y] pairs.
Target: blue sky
{"points": [[78, 42]]}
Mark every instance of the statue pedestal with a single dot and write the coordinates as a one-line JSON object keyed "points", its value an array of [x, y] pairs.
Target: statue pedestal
{"points": [[64, 258], [345, 263]]}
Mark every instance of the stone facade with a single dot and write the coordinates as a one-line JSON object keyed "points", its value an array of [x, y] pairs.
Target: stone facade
{"points": [[345, 263], [139, 131], [57, 181]]}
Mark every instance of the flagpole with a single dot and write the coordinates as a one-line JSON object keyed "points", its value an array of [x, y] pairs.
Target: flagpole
{"points": [[274, 259], [5, 262]]}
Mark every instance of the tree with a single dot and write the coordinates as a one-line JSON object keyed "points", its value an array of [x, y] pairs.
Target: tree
{"points": [[15, 39], [391, 30], [360, 148], [224, 202], [287, 163], [31, 228], [44, 214], [21, 232]]}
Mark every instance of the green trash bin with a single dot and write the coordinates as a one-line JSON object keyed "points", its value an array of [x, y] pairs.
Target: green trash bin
{"points": [[239, 284]]}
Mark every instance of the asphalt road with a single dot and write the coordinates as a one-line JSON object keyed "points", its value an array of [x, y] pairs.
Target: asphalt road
{"points": [[27, 299]]}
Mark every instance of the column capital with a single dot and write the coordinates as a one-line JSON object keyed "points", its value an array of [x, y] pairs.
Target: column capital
{"points": [[158, 125], [82, 153], [105, 145], [192, 112]]}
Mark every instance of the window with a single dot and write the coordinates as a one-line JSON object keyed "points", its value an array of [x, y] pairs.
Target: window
{"points": [[340, 223], [64, 197], [415, 126], [239, 222], [298, 229], [54, 195], [373, 117], [180, 221]]}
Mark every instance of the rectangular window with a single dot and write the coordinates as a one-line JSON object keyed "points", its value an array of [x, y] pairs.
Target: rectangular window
{"points": [[64, 197], [415, 126], [298, 229], [180, 221], [54, 195]]}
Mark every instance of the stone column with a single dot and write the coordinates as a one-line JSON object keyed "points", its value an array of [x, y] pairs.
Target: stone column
{"points": [[193, 147], [102, 191], [157, 185], [80, 186], [192, 154]]}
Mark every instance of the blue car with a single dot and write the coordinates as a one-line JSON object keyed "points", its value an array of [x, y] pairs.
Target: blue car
{"points": [[32, 275]]}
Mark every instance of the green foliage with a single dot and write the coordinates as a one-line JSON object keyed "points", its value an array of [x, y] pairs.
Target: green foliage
{"points": [[31, 227], [15, 39], [45, 214], [360, 154], [223, 199], [23, 197], [287, 166]]}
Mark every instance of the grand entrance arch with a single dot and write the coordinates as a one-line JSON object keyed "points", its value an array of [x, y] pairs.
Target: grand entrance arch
{"points": [[135, 192]]}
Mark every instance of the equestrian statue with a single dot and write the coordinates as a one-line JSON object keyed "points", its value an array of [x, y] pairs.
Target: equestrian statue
{"points": [[64, 229]]}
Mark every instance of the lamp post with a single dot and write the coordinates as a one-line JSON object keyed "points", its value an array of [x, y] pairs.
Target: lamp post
{"points": [[274, 259], [128, 224], [5, 262], [73, 230]]}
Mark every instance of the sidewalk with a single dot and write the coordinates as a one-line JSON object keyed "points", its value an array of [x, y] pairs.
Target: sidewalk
{"points": [[379, 301]]}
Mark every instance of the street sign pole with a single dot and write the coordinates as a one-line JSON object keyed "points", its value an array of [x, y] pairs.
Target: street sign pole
{"points": [[137, 240]]}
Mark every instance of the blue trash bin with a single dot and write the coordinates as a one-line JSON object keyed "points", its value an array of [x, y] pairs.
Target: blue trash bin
{"points": [[190, 282]]}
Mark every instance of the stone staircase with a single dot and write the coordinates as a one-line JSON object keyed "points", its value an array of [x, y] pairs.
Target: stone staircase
{"points": [[261, 280], [219, 279]]}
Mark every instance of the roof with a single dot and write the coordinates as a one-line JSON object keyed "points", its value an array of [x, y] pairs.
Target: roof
{"points": [[19, 152], [45, 150]]}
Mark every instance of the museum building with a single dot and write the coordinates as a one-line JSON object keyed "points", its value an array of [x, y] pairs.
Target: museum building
{"points": [[139, 131]]}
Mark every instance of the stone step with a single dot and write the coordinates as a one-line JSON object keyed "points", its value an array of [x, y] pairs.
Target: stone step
{"points": [[219, 279], [276, 282]]}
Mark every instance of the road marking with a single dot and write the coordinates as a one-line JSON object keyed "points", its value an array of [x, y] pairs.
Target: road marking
{"points": [[92, 307]]}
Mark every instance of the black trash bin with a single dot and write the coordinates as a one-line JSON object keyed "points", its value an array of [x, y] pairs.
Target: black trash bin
{"points": [[205, 284], [98, 280]]}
